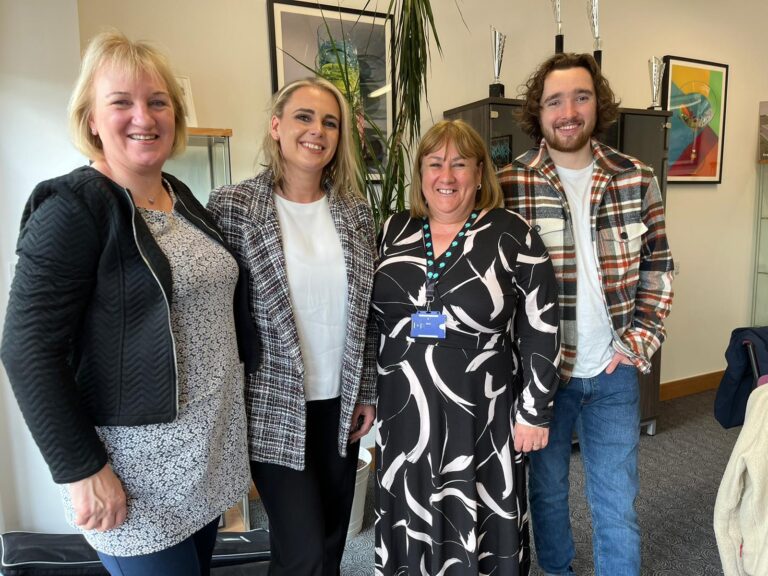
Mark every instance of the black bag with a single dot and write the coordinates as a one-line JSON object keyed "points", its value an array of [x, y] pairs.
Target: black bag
{"points": [[35, 554], [747, 365]]}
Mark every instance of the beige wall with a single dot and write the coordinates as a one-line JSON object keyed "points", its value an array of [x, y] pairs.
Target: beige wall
{"points": [[39, 59], [223, 47], [710, 226]]}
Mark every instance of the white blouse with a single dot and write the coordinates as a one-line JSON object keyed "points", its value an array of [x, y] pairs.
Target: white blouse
{"points": [[317, 284]]}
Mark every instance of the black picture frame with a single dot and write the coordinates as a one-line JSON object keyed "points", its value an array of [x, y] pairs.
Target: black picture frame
{"points": [[500, 150], [295, 30], [695, 91]]}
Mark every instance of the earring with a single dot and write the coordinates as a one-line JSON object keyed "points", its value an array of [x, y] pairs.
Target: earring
{"points": [[479, 186]]}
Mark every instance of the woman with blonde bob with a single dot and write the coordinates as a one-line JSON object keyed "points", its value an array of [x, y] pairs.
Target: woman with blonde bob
{"points": [[305, 234], [465, 299], [119, 340]]}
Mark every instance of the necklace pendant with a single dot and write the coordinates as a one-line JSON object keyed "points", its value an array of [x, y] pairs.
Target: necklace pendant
{"points": [[151, 199]]}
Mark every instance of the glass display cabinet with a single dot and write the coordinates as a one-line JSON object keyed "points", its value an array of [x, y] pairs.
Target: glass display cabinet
{"points": [[638, 132], [205, 164], [760, 290]]}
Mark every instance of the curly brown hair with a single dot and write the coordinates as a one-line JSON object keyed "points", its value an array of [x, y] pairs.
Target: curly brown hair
{"points": [[607, 105]]}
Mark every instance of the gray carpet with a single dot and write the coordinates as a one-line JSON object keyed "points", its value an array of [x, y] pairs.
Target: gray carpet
{"points": [[680, 471]]}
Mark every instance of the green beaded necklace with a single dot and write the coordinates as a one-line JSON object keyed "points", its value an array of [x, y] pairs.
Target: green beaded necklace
{"points": [[433, 272]]}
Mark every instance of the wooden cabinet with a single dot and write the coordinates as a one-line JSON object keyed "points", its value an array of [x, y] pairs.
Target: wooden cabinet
{"points": [[643, 134], [637, 132]]}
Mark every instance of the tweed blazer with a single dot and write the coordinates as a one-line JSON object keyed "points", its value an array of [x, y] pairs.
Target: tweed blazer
{"points": [[274, 393]]}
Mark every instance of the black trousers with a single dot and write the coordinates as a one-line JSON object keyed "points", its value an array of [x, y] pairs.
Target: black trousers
{"points": [[309, 509]]}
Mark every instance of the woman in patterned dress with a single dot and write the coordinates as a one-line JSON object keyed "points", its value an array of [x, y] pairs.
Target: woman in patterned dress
{"points": [[304, 232], [119, 341], [466, 303]]}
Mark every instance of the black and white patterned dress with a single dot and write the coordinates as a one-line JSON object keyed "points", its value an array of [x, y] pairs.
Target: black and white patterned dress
{"points": [[450, 493], [180, 475]]}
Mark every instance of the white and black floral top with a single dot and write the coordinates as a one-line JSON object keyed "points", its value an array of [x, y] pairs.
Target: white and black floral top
{"points": [[181, 475]]}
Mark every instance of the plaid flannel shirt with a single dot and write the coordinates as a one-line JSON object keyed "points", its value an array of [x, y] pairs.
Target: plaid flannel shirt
{"points": [[634, 261]]}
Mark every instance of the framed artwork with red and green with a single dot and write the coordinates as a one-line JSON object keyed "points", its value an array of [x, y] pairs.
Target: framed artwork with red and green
{"points": [[695, 92]]}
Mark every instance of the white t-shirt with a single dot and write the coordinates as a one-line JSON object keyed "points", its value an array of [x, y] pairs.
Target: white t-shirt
{"points": [[593, 325], [317, 283]]}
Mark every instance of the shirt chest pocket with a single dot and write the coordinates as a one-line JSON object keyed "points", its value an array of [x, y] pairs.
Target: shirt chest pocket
{"points": [[620, 250], [552, 233], [550, 230]]}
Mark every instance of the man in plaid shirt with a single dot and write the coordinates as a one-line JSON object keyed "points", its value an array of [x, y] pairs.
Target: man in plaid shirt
{"points": [[601, 216]]}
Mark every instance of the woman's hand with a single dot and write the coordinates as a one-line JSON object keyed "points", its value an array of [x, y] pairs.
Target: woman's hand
{"points": [[530, 438], [362, 420], [99, 501]]}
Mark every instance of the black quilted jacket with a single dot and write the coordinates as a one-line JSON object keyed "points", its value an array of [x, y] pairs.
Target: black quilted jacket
{"points": [[87, 338]]}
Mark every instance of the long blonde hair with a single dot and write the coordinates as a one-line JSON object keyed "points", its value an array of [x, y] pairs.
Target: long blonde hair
{"points": [[342, 169]]}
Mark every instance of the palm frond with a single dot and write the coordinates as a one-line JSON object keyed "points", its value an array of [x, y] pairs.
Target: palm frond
{"points": [[413, 28]]}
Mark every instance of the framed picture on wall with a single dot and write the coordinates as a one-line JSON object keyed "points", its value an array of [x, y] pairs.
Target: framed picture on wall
{"points": [[501, 151], [189, 103], [695, 92], [763, 147], [351, 47]]}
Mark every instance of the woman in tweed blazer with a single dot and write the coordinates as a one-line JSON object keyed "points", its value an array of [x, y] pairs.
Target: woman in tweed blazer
{"points": [[305, 234]]}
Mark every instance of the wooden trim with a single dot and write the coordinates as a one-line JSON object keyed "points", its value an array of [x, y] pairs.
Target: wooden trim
{"points": [[688, 386], [226, 132]]}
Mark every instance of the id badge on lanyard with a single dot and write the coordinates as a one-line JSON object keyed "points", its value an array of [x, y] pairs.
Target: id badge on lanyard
{"points": [[428, 325], [425, 323]]}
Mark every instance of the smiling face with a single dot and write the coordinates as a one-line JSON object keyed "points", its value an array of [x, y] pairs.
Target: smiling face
{"points": [[134, 120], [568, 113], [308, 130], [449, 183]]}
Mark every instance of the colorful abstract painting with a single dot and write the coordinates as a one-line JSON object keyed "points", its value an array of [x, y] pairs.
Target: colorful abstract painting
{"points": [[695, 93]]}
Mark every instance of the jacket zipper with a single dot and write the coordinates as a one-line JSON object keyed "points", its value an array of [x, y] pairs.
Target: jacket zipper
{"points": [[165, 297], [213, 232]]}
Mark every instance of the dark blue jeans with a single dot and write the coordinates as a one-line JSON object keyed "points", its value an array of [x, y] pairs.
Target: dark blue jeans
{"points": [[604, 410], [190, 557]]}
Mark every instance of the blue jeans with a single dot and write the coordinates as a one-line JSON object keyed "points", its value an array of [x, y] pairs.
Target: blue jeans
{"points": [[605, 412], [190, 557]]}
